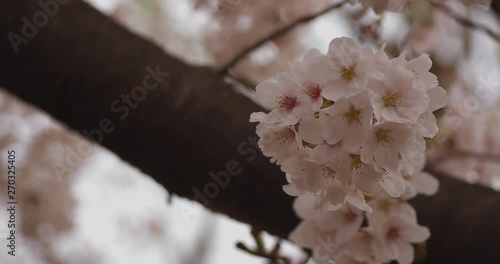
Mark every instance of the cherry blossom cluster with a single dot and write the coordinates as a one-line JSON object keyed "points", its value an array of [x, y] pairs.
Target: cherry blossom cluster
{"points": [[348, 128], [399, 5]]}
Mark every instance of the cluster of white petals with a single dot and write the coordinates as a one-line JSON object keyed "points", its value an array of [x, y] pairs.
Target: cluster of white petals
{"points": [[399, 5], [348, 128]]}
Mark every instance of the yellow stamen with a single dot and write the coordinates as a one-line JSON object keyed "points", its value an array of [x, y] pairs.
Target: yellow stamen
{"points": [[391, 98], [356, 162], [352, 115], [313, 90], [285, 136], [348, 72], [328, 172], [383, 136], [287, 102]]}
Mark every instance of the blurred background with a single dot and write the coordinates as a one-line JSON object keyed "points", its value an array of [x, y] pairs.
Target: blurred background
{"points": [[103, 210]]}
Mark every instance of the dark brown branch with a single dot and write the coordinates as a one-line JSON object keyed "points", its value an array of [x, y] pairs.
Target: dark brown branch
{"points": [[495, 6], [192, 124], [273, 35]]}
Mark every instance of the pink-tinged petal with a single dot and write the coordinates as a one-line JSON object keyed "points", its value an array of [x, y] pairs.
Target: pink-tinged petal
{"points": [[360, 246], [272, 119], [312, 54], [420, 64], [425, 183], [438, 98], [344, 258], [405, 210], [369, 148], [366, 178], [291, 189], [343, 48], [328, 154], [311, 130], [428, 123], [257, 116], [288, 81], [405, 252], [348, 230], [305, 206], [334, 197], [426, 80], [320, 70], [357, 199], [391, 113], [335, 89], [303, 107], [416, 234], [387, 157], [413, 103], [399, 78], [287, 118], [420, 68], [377, 86], [410, 192], [267, 93], [309, 176], [306, 234], [353, 137], [394, 186], [380, 252]]}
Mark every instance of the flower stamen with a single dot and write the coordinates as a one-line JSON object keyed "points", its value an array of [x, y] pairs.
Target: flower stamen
{"points": [[391, 98], [348, 72], [352, 116], [287, 102]]}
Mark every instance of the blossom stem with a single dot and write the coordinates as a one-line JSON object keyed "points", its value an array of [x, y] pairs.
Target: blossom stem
{"points": [[261, 251]]}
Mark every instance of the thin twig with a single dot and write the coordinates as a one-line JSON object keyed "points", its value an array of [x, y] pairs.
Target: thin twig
{"points": [[261, 251], [464, 21], [276, 34]]}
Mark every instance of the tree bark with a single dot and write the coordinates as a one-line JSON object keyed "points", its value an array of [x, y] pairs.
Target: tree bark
{"points": [[192, 124]]}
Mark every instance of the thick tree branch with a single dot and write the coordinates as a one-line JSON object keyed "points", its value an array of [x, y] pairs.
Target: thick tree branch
{"points": [[193, 123], [495, 6]]}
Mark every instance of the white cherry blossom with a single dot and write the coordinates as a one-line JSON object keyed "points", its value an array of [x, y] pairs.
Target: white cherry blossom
{"points": [[348, 129], [278, 142], [420, 67], [397, 233], [348, 66], [395, 98], [285, 97], [349, 119]]}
